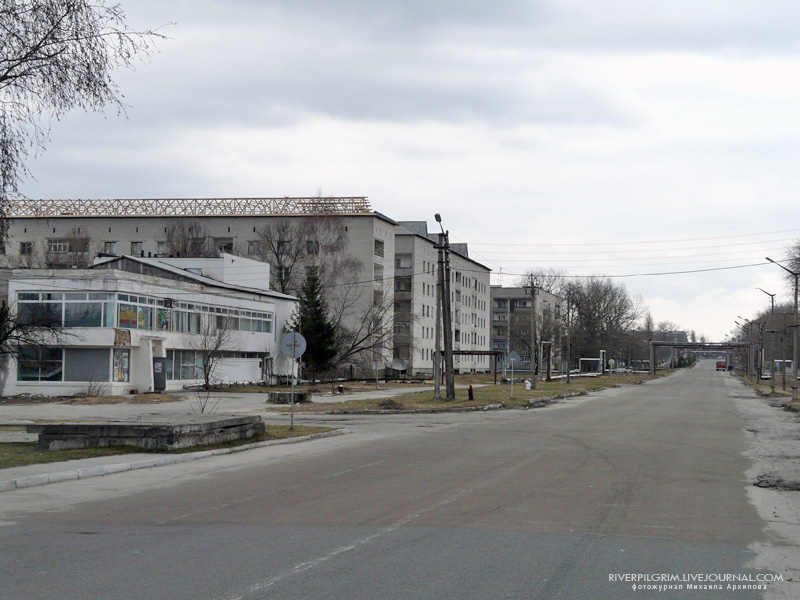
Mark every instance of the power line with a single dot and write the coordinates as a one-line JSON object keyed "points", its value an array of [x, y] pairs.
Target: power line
{"points": [[700, 239]]}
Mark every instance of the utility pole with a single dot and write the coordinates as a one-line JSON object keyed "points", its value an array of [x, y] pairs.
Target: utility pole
{"points": [[569, 339], [794, 349], [444, 281], [533, 334], [437, 356], [771, 340]]}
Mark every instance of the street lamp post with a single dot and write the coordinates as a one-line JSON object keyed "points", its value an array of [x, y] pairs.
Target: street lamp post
{"points": [[771, 340], [794, 345], [444, 289]]}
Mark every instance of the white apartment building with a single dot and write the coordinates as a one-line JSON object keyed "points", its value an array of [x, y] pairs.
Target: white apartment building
{"points": [[415, 302], [121, 314]]}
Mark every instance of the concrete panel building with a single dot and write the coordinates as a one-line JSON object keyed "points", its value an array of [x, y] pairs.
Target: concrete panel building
{"points": [[415, 302], [511, 318]]}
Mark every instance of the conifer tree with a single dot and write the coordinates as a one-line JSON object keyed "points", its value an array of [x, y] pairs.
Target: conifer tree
{"points": [[315, 326]]}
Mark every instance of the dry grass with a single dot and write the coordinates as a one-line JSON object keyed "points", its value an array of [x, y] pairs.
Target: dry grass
{"points": [[137, 399], [498, 396]]}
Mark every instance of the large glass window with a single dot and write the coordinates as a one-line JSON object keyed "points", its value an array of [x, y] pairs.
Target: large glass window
{"points": [[39, 364], [44, 314], [83, 314]]}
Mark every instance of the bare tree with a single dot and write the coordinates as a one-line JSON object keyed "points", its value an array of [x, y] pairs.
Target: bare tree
{"points": [[213, 340], [190, 238], [31, 256], [366, 339], [56, 55], [281, 245], [29, 325], [549, 280], [70, 251], [605, 316]]}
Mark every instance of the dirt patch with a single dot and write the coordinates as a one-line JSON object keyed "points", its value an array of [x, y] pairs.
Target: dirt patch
{"points": [[775, 482], [29, 399], [138, 399], [390, 404]]}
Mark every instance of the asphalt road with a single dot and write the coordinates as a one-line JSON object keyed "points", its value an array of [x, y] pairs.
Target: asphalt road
{"points": [[546, 503]]}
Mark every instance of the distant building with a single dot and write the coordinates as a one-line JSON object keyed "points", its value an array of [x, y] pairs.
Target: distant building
{"points": [[124, 312], [511, 318]]}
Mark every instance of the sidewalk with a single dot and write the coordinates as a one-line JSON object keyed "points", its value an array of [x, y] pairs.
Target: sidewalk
{"points": [[44, 473]]}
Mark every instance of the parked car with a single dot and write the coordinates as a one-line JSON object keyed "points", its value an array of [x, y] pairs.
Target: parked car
{"points": [[721, 366]]}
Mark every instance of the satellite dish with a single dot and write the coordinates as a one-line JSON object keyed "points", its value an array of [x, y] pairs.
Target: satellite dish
{"points": [[398, 365]]}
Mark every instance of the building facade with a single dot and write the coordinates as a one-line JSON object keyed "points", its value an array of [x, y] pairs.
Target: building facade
{"points": [[415, 287], [118, 316], [511, 324], [342, 235]]}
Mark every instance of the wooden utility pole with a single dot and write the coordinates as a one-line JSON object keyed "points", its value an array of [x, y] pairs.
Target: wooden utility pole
{"points": [[437, 356], [534, 348], [444, 283]]}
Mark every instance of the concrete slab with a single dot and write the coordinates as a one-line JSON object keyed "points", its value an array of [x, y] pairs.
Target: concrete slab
{"points": [[156, 433]]}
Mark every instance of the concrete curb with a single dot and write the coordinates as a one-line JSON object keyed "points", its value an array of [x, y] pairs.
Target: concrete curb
{"points": [[158, 461]]}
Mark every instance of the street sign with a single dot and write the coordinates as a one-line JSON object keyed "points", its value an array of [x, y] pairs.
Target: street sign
{"points": [[513, 357], [293, 345]]}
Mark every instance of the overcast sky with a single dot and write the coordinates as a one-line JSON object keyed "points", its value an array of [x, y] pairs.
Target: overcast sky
{"points": [[602, 137]]}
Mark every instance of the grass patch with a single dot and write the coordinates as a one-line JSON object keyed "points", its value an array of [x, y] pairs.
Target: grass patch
{"points": [[18, 454], [488, 395]]}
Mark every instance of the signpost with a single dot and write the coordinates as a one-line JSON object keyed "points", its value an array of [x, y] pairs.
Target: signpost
{"points": [[512, 358], [293, 345]]}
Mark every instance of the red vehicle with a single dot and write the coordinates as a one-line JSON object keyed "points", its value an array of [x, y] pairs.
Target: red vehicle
{"points": [[721, 366]]}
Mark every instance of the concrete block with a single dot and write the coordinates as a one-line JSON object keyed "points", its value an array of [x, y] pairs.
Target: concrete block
{"points": [[143, 464], [8, 484], [61, 476], [117, 468], [32, 480], [92, 471]]}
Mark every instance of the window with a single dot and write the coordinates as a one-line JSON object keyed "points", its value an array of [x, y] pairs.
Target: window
{"points": [[137, 248], [86, 364], [58, 246], [39, 364], [26, 248], [83, 314], [378, 247], [110, 247], [312, 247], [254, 247], [284, 246], [45, 314], [127, 316], [162, 248], [224, 244]]}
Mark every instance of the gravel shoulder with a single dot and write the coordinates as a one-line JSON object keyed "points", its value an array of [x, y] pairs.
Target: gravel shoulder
{"points": [[774, 458]]}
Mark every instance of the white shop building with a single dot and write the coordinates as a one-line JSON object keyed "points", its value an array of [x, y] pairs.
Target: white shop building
{"points": [[124, 312]]}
